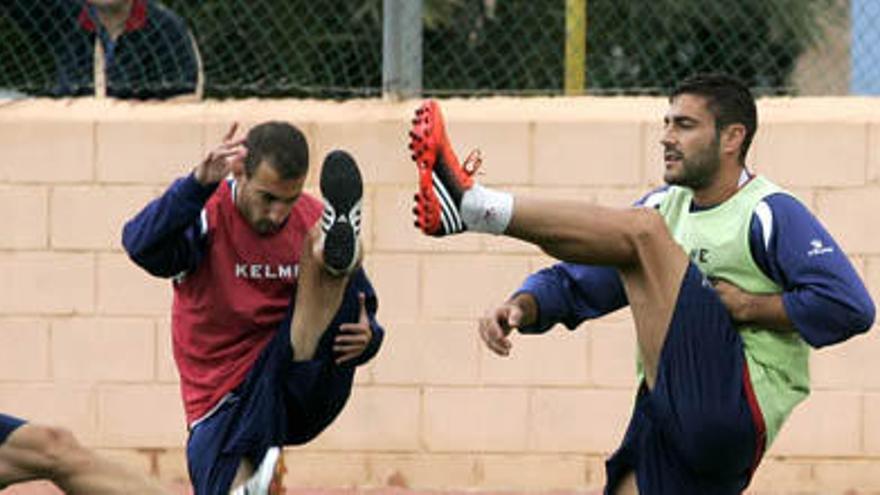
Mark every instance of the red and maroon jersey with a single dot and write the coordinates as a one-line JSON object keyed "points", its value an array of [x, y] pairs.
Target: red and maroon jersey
{"points": [[232, 286], [230, 305]]}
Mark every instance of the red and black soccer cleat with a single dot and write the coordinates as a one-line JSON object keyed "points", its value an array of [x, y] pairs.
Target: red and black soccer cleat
{"points": [[442, 179]]}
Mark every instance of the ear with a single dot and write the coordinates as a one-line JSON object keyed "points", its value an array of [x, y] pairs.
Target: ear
{"points": [[238, 171], [732, 138]]}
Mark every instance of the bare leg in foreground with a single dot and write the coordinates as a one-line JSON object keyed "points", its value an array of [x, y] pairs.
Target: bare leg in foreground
{"points": [[37, 452]]}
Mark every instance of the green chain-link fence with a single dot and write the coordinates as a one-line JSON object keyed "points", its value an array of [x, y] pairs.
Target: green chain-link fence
{"points": [[333, 48], [327, 48]]}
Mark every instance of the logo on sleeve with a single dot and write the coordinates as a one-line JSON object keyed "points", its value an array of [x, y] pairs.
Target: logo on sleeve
{"points": [[817, 248]]}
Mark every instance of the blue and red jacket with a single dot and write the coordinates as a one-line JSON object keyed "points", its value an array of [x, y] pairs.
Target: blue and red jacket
{"points": [[155, 56], [232, 286]]}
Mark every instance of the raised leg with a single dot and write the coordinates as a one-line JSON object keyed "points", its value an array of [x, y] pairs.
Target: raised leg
{"points": [[634, 240], [330, 254]]}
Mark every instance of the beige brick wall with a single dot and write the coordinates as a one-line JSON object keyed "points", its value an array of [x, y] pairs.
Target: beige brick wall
{"points": [[84, 335]]}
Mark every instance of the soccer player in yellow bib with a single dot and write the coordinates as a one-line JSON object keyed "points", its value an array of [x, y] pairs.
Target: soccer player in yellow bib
{"points": [[730, 280]]}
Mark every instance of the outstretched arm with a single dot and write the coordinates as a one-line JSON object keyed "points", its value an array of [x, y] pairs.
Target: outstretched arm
{"points": [[563, 293], [569, 293], [566, 293]]}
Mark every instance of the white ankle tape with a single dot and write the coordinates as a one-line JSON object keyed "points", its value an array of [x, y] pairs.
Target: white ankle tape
{"points": [[486, 210]]}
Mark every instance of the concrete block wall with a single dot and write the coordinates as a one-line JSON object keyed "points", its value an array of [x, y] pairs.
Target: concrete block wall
{"points": [[85, 339]]}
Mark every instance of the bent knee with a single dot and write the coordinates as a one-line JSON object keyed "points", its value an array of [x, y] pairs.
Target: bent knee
{"points": [[652, 245], [646, 227]]}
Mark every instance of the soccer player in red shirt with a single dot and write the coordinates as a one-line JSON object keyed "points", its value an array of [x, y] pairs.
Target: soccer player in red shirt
{"points": [[272, 313]]}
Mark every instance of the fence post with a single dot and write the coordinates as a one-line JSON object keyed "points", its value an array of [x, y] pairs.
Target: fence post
{"points": [[575, 46], [402, 49]]}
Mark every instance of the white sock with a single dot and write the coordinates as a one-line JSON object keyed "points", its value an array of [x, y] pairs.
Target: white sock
{"points": [[486, 210]]}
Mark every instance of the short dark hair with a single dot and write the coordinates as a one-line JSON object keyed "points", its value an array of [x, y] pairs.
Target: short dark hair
{"points": [[281, 145], [729, 100]]}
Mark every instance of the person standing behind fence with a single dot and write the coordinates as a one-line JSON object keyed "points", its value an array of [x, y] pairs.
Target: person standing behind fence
{"points": [[137, 49]]}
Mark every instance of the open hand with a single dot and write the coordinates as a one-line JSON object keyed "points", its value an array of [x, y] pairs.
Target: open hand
{"points": [[225, 158]]}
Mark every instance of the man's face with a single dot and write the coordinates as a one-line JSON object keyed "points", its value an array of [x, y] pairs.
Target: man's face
{"points": [[265, 199], [690, 143]]}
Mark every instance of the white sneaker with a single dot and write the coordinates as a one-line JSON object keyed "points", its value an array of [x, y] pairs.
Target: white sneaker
{"points": [[267, 480]]}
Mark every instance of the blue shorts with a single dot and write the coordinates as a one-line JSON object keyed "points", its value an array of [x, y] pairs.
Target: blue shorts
{"points": [[280, 402], [8, 424], [700, 429]]}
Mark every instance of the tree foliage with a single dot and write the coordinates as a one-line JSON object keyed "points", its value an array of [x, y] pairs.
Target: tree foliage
{"points": [[633, 46]]}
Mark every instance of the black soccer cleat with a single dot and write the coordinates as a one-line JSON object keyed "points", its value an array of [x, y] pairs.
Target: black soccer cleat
{"points": [[343, 190]]}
